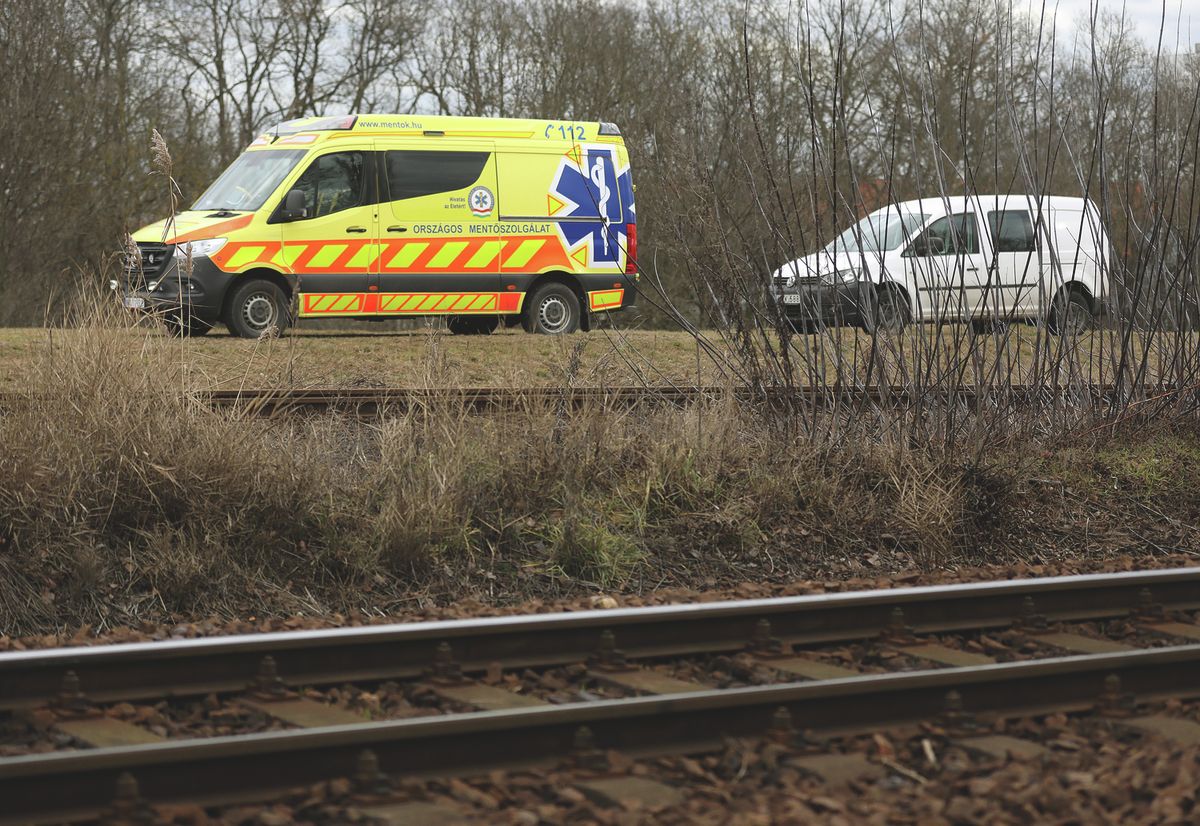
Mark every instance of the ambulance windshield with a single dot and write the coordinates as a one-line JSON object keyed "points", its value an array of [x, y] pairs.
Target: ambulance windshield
{"points": [[881, 231], [250, 180]]}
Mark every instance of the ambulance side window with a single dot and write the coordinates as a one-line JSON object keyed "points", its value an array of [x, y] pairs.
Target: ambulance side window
{"points": [[413, 173], [332, 183]]}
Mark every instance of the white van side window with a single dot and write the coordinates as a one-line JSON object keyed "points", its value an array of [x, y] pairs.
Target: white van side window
{"points": [[1012, 231], [951, 235]]}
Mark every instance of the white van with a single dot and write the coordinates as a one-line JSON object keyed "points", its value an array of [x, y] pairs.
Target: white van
{"points": [[985, 257]]}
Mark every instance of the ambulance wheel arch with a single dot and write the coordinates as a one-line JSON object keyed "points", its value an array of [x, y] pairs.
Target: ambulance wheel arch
{"points": [[256, 301], [561, 293]]}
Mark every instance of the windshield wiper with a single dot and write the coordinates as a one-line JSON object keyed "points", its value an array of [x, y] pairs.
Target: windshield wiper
{"points": [[223, 213]]}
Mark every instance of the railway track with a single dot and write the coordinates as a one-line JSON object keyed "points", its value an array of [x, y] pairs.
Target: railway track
{"points": [[660, 714], [367, 402]]}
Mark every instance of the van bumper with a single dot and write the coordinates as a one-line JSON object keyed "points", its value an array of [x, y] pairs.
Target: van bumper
{"points": [[199, 294], [812, 306]]}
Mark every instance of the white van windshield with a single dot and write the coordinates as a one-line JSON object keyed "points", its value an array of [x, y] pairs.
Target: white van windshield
{"points": [[249, 180], [879, 232]]}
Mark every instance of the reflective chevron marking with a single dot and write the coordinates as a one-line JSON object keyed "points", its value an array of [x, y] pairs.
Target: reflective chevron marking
{"points": [[365, 256], [444, 257], [407, 255], [605, 299], [535, 254], [244, 256], [325, 256], [524, 252], [486, 254]]}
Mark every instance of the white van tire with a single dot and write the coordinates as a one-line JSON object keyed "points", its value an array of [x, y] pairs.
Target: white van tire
{"points": [[552, 310], [257, 307], [888, 311], [1070, 315]]}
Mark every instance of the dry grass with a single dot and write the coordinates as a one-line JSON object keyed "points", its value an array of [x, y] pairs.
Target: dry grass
{"points": [[361, 356], [121, 499]]}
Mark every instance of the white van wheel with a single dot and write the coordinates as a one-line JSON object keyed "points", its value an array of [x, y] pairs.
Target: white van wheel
{"points": [[888, 312], [1071, 315]]}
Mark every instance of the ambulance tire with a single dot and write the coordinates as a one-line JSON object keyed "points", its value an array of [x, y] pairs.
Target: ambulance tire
{"points": [[472, 325], [257, 307], [553, 310], [190, 327]]}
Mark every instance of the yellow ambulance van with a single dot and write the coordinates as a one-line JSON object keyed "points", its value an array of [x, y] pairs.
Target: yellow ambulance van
{"points": [[482, 220]]}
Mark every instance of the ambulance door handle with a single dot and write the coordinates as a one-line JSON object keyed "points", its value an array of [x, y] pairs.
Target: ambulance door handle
{"points": [[356, 229], [397, 229]]}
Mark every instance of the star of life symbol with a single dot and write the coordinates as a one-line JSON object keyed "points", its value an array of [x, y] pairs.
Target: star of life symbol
{"points": [[481, 201], [586, 189], [597, 176]]}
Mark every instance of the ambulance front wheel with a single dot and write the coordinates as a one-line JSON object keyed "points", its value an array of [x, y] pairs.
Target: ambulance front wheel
{"points": [[552, 310], [255, 308], [184, 325]]}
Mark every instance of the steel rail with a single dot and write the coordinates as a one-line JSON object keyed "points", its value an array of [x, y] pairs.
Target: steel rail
{"points": [[60, 785], [373, 401], [134, 671], [376, 401]]}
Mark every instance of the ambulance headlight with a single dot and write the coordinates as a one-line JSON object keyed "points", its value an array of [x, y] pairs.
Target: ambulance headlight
{"points": [[208, 246]]}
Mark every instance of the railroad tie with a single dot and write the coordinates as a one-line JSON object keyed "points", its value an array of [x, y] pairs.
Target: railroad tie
{"points": [[103, 732], [616, 792], [945, 655], [1178, 730], [1079, 644], [73, 713], [838, 769], [486, 697], [415, 813], [647, 681], [1185, 630], [1002, 746], [305, 713], [810, 669]]}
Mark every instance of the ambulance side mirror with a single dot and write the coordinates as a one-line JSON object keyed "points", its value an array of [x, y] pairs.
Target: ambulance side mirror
{"points": [[294, 208]]}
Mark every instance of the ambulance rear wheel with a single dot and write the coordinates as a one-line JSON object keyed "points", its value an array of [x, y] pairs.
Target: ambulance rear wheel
{"points": [[472, 325], [553, 310], [257, 307]]}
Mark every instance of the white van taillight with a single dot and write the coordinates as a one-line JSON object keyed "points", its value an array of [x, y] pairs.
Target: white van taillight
{"points": [[630, 249]]}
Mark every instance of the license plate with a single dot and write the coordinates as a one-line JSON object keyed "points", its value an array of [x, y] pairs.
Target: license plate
{"points": [[132, 302], [792, 299]]}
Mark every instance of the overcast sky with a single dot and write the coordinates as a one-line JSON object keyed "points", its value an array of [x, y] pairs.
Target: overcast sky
{"points": [[1182, 18]]}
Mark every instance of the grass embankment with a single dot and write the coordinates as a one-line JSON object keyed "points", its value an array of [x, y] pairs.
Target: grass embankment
{"points": [[364, 356], [122, 501]]}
